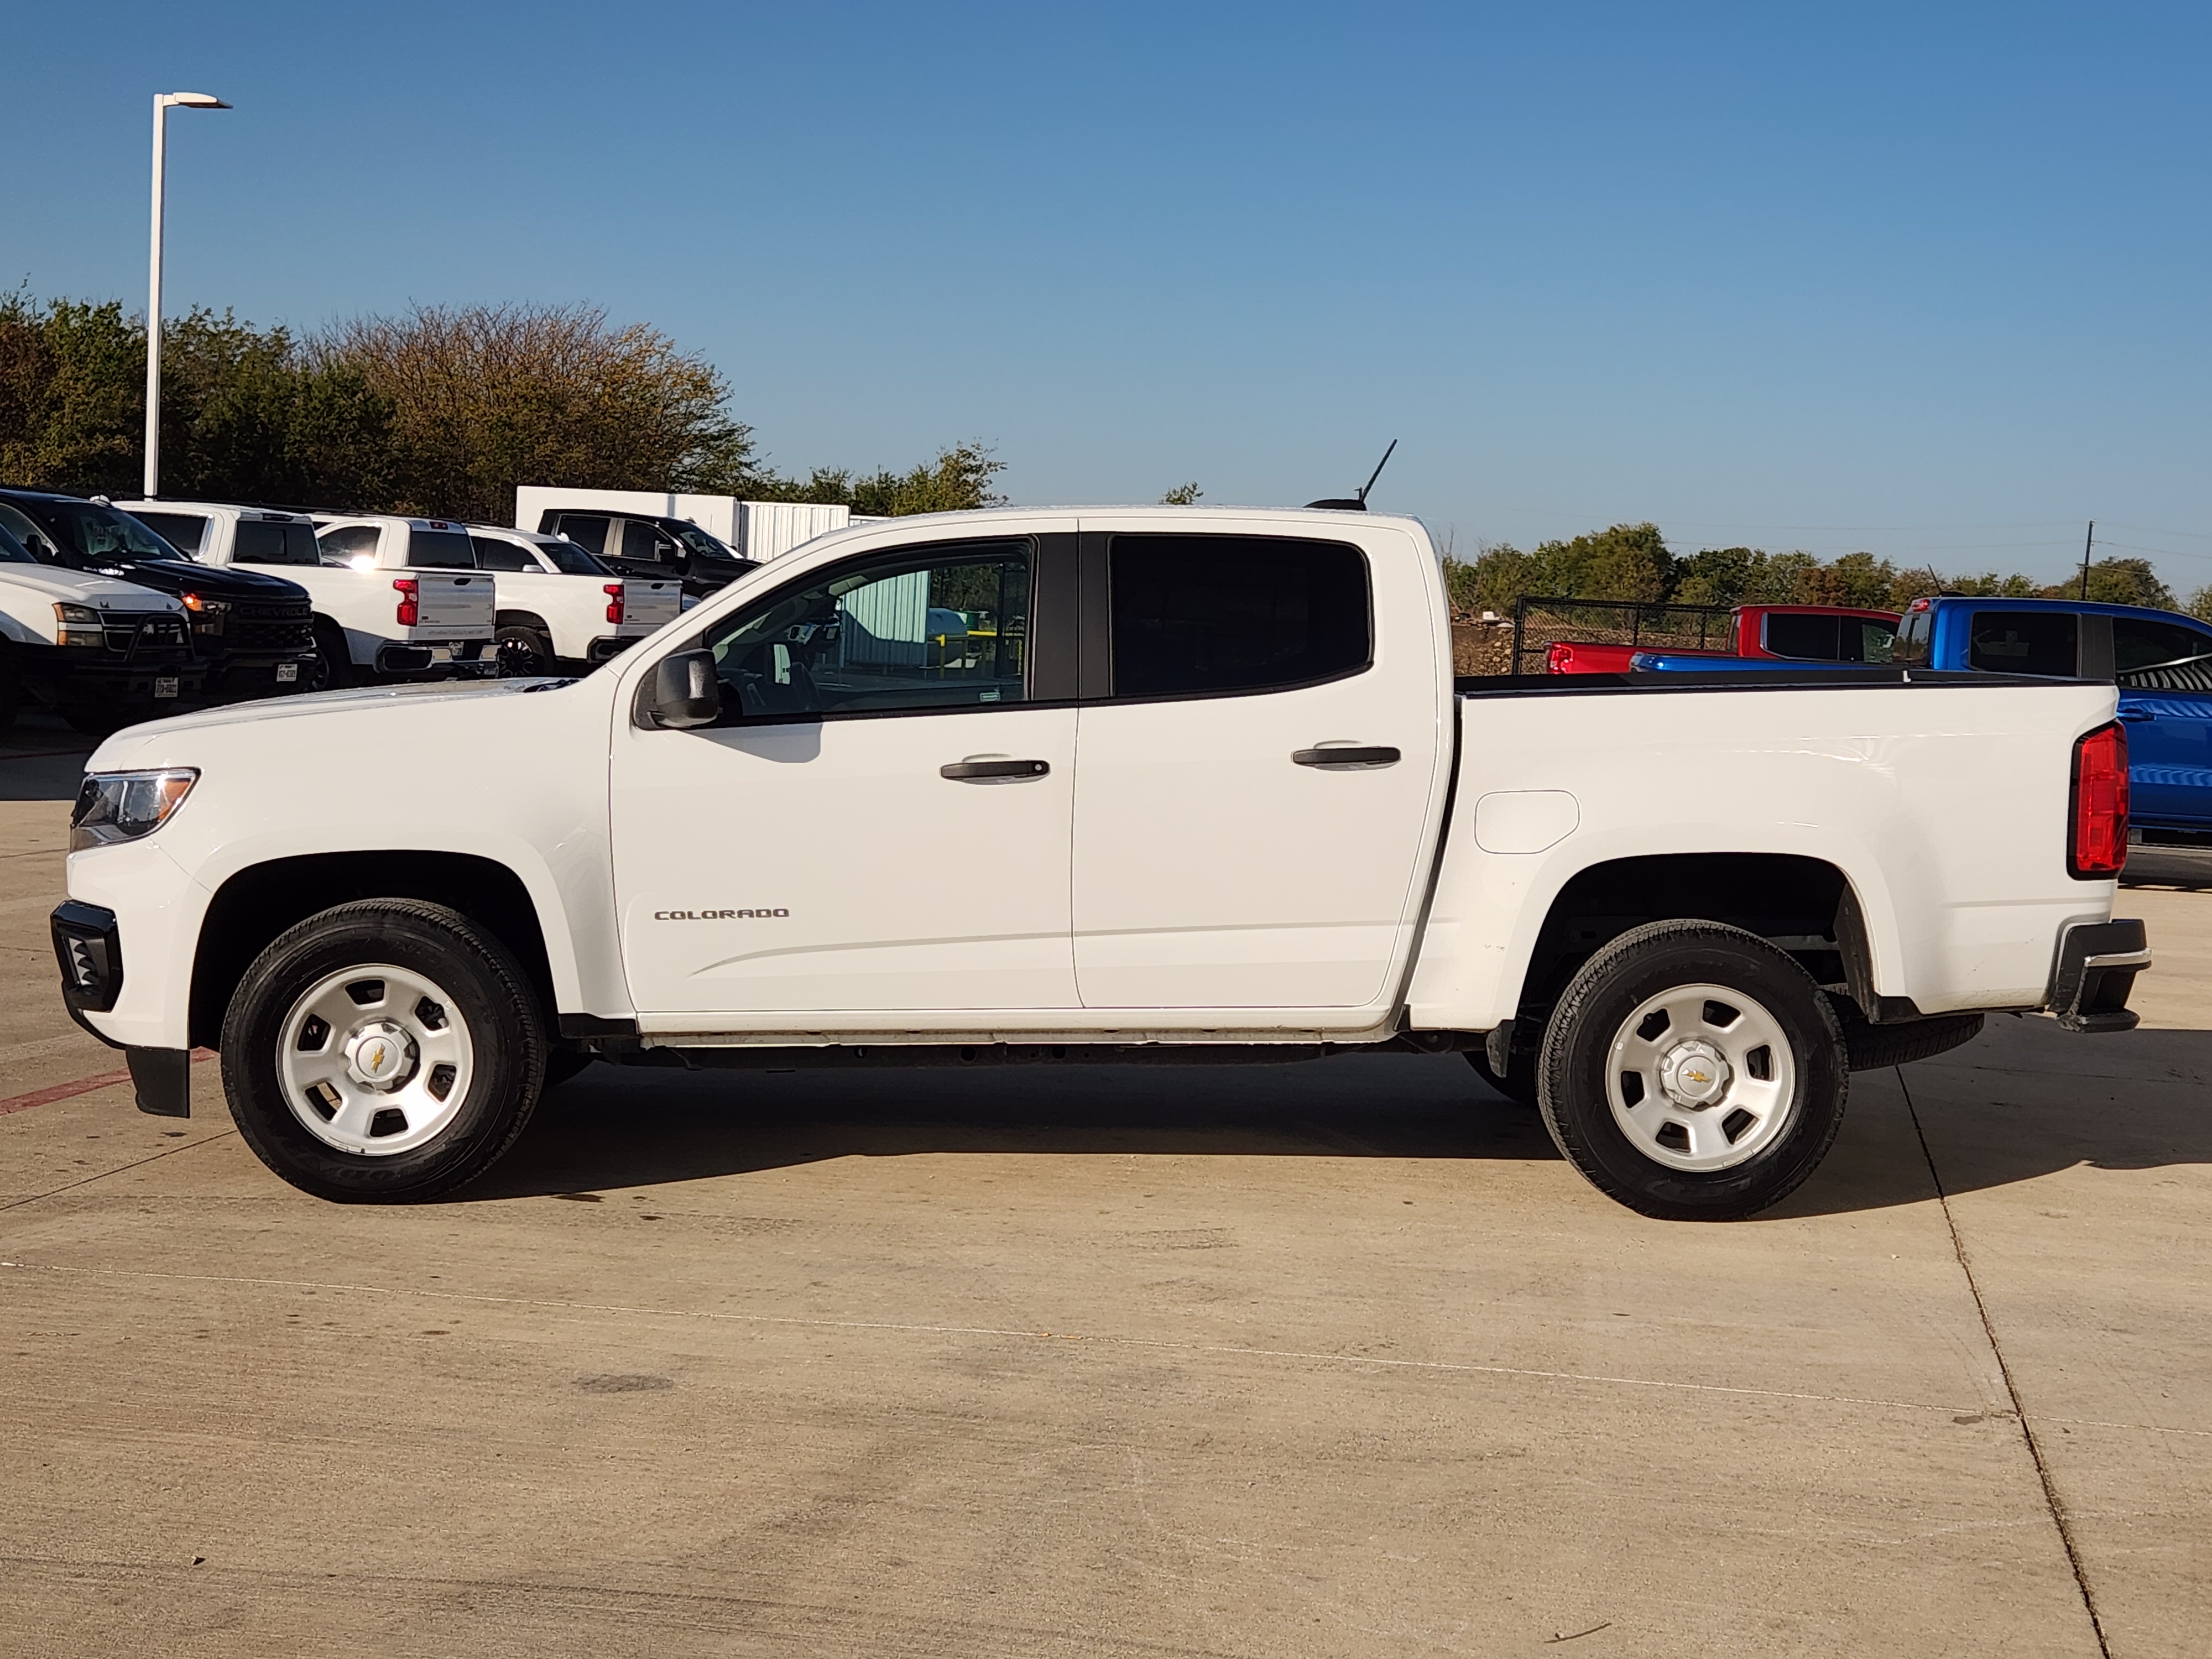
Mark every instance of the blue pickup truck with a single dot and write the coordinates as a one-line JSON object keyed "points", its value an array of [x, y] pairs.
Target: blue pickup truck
{"points": [[2161, 660]]}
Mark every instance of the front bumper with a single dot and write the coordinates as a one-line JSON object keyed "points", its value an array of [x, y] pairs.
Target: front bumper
{"points": [[2098, 962], [88, 946]]}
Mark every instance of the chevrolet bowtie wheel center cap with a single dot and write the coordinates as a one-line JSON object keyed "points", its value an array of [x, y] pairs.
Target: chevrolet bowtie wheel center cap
{"points": [[380, 1055], [1694, 1075]]}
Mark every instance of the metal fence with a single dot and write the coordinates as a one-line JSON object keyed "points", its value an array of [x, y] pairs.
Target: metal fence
{"points": [[1539, 624]]}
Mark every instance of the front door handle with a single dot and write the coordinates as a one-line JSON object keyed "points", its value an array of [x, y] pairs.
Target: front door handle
{"points": [[994, 771], [1345, 758]]}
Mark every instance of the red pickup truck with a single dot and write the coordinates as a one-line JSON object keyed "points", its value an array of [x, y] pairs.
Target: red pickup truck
{"points": [[1786, 633]]}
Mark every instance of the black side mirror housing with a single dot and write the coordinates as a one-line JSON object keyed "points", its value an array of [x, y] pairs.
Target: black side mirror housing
{"points": [[682, 692]]}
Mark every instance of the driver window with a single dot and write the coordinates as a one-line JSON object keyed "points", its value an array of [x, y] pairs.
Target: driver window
{"points": [[944, 627], [40, 543]]}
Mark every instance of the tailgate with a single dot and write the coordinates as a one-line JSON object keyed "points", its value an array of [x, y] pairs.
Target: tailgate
{"points": [[454, 605], [649, 605]]}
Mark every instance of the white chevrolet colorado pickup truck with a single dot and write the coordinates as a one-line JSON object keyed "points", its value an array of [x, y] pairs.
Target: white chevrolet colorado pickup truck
{"points": [[1088, 786]]}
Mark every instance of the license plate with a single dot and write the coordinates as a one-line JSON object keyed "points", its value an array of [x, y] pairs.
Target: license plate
{"points": [[286, 672], [165, 686]]}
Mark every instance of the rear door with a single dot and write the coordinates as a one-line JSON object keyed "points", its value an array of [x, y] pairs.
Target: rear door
{"points": [[1261, 762], [879, 824], [2165, 675]]}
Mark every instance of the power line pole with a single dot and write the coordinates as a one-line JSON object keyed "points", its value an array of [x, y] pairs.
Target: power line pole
{"points": [[2088, 542]]}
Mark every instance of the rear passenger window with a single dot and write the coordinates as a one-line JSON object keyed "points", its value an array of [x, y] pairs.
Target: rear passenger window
{"points": [[1199, 614], [1912, 647], [1808, 639], [499, 555], [182, 531], [274, 541], [2023, 642], [586, 529], [352, 545], [2155, 656]]}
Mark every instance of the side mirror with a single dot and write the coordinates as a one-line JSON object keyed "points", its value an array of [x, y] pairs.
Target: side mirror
{"points": [[681, 692]]}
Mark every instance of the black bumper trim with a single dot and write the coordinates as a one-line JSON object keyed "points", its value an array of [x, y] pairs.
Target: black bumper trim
{"points": [[2098, 963], [89, 952]]}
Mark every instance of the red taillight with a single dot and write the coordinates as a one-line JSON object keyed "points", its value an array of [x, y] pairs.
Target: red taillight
{"points": [[613, 593], [411, 601], [1560, 658], [2100, 846]]}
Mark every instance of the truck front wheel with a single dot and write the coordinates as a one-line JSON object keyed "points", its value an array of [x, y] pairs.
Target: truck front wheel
{"points": [[383, 1052], [1693, 1071]]}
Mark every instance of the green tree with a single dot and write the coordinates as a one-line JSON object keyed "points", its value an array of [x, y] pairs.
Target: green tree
{"points": [[2200, 604], [486, 398], [1627, 562], [1183, 495], [958, 481], [72, 395], [2119, 581]]}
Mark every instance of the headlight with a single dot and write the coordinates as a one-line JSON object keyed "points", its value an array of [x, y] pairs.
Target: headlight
{"points": [[112, 806], [79, 625], [207, 614]]}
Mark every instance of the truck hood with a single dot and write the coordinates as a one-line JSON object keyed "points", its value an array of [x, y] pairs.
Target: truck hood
{"points": [[217, 581], [81, 587], [166, 741]]}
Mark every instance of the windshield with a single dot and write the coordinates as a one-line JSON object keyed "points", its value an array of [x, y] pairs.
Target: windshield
{"points": [[99, 532], [571, 560], [699, 541], [13, 551], [275, 541], [440, 549]]}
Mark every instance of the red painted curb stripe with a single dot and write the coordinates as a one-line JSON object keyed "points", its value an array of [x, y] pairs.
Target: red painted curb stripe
{"points": [[84, 1085]]}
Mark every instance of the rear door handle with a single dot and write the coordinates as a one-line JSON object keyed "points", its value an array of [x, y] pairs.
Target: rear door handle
{"points": [[994, 771], [1345, 758]]}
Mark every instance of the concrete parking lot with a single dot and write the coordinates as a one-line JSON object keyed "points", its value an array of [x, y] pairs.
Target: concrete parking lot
{"points": [[1337, 1359]]}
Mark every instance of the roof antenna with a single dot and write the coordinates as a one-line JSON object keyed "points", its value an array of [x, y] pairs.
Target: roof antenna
{"points": [[1358, 503]]}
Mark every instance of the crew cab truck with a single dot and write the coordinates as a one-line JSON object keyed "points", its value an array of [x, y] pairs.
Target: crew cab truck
{"points": [[104, 653], [392, 598], [2160, 661], [635, 544], [1184, 784], [1763, 633], [250, 629], [559, 605]]}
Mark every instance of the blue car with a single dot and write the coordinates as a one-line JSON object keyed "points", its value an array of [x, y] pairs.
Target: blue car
{"points": [[2161, 660]]}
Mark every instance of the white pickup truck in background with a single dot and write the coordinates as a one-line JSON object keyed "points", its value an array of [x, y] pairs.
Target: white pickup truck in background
{"points": [[558, 605], [1123, 784], [395, 599]]}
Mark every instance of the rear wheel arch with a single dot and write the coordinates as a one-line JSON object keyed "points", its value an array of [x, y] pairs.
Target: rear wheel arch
{"points": [[257, 904], [1807, 906]]}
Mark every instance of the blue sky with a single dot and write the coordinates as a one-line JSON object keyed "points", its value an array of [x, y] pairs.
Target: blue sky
{"points": [[1931, 279]]}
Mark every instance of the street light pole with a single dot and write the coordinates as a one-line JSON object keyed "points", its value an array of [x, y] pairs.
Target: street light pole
{"points": [[162, 103]]}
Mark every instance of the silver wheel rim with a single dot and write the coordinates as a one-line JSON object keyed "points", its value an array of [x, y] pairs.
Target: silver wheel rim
{"points": [[1700, 1078], [374, 1060]]}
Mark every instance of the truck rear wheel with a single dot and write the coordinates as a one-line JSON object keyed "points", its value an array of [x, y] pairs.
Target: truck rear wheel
{"points": [[1693, 1071], [523, 652], [332, 667], [382, 1052]]}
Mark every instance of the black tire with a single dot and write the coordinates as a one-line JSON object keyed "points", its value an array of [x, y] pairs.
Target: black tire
{"points": [[489, 994], [523, 652], [332, 668], [563, 1064], [1519, 1083], [1645, 964]]}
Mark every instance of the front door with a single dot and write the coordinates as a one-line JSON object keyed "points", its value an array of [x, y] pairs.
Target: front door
{"points": [[2165, 674], [879, 824], [1259, 767]]}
